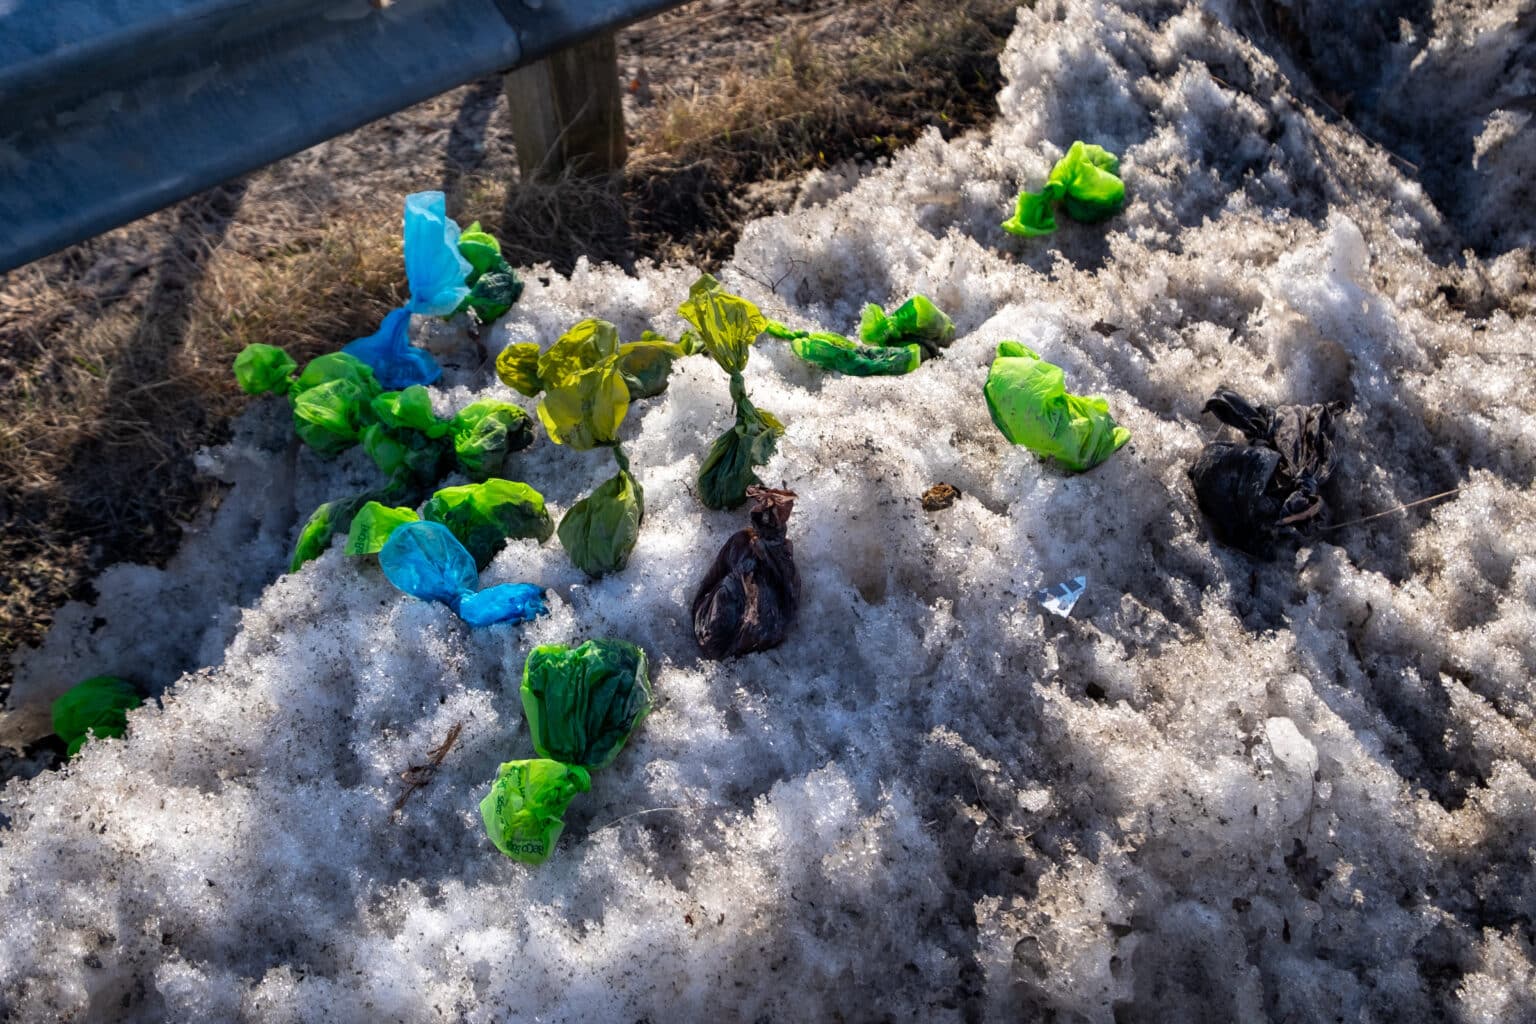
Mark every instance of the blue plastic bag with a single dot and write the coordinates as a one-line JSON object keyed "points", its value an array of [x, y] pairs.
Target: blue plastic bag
{"points": [[426, 560], [434, 268], [389, 353]]}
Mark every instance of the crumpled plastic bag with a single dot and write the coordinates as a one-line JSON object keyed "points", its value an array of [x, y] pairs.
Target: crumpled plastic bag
{"points": [[1085, 182], [600, 530], [917, 321], [493, 285], [97, 707], [727, 325], [331, 518], [647, 364], [583, 703], [485, 433], [434, 267], [835, 352], [426, 560], [1028, 399], [373, 524], [389, 353], [332, 402], [1269, 489], [435, 272], [585, 395], [524, 811], [750, 596], [485, 516], [264, 369]]}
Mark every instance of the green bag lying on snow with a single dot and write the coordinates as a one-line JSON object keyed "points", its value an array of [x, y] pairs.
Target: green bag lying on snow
{"points": [[1029, 403], [1085, 181], [485, 516], [582, 703], [600, 530], [485, 432], [916, 321], [523, 811], [323, 524], [97, 707], [835, 352], [372, 526]]}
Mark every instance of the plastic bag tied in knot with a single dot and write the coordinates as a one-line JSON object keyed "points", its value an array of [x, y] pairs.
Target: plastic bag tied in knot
{"points": [[1085, 183], [1270, 488], [1028, 399], [750, 596], [426, 560]]}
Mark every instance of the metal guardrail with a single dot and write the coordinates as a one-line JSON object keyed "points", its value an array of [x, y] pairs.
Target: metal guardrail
{"points": [[112, 109]]}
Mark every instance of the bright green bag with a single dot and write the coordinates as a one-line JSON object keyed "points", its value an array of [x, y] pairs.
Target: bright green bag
{"points": [[523, 812], [1085, 181], [1029, 403], [485, 516], [917, 321]]}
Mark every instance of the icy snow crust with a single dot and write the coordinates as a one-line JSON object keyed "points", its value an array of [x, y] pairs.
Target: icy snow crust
{"points": [[1224, 790]]}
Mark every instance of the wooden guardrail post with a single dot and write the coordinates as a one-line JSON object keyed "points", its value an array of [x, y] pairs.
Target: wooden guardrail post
{"points": [[567, 111]]}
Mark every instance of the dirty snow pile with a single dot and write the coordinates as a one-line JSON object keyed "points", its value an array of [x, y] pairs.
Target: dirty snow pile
{"points": [[1222, 790]]}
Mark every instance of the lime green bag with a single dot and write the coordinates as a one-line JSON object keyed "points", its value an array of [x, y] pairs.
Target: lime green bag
{"points": [[1085, 181], [523, 812], [1029, 403], [915, 322], [373, 524]]}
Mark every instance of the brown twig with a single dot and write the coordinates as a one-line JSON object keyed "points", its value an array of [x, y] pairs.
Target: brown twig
{"points": [[1378, 515], [418, 775]]}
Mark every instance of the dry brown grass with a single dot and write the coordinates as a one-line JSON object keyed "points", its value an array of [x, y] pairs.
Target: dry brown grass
{"points": [[113, 372]]}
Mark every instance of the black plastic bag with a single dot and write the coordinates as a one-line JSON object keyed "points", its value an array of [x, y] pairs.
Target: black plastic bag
{"points": [[1270, 489], [751, 594]]}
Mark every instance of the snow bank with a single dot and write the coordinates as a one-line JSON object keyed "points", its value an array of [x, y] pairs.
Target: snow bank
{"points": [[1224, 790]]}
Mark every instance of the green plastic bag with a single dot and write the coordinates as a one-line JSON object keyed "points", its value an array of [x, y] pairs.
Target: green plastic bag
{"points": [[409, 409], [835, 352], [373, 524], [405, 456], [494, 285], [1085, 182], [485, 516], [600, 530], [728, 468], [332, 402], [647, 364], [583, 703], [485, 432], [263, 369], [727, 324], [518, 368], [916, 321], [585, 396], [1029, 403], [97, 707], [324, 523], [523, 812]]}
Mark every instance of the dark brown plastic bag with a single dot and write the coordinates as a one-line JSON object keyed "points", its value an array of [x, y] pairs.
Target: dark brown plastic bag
{"points": [[751, 594]]}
